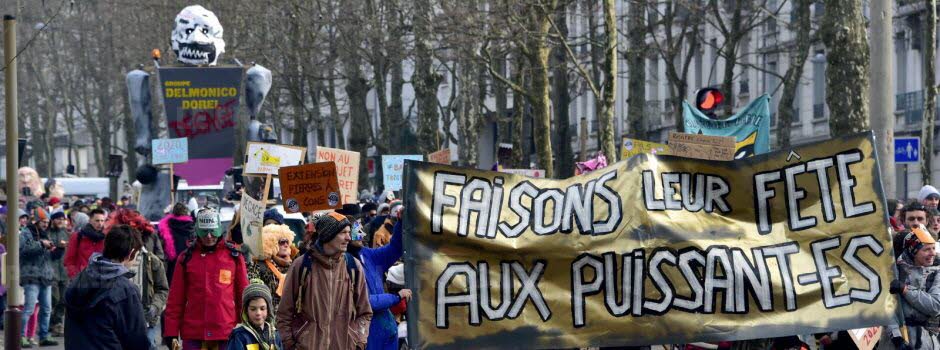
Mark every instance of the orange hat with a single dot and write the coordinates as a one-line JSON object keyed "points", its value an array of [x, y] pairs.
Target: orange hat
{"points": [[39, 215]]}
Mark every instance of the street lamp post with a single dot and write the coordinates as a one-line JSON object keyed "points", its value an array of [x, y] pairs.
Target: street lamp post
{"points": [[13, 313]]}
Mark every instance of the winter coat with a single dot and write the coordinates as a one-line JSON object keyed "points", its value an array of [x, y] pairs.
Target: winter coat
{"points": [[35, 260], [334, 310], [206, 293], [153, 286], [153, 244], [60, 238], [175, 231], [103, 309], [82, 245], [261, 270], [243, 339], [383, 330], [920, 303]]}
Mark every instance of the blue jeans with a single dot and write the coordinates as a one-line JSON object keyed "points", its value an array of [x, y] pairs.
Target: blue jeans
{"points": [[153, 335], [42, 294]]}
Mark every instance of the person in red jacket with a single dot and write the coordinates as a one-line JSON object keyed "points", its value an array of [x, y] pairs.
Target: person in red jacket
{"points": [[89, 239], [206, 292]]}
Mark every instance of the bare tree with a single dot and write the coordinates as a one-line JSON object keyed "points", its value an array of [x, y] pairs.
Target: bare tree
{"points": [[636, 64], [791, 80], [676, 32], [930, 91], [534, 18], [735, 20], [844, 33]]}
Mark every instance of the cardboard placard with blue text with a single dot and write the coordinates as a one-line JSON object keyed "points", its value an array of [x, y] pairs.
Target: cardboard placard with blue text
{"points": [[650, 250], [392, 167], [170, 151]]}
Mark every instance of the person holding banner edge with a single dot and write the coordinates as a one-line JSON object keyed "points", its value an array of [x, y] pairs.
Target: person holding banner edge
{"points": [[919, 292], [383, 331]]}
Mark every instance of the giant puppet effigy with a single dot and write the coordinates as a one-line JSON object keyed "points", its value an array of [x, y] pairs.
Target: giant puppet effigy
{"points": [[200, 101]]}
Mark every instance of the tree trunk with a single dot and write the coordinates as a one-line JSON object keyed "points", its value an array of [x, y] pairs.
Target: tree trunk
{"points": [[541, 104], [425, 80], [636, 64], [396, 112], [360, 128], [469, 107], [518, 116], [36, 126], [335, 128], [561, 101], [609, 89], [930, 92], [791, 80], [847, 70]]}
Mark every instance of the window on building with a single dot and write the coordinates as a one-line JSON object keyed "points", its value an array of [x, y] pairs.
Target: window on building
{"points": [[900, 50], [819, 85], [771, 81]]}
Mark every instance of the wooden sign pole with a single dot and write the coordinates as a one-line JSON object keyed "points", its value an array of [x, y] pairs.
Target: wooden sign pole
{"points": [[172, 189], [267, 187]]}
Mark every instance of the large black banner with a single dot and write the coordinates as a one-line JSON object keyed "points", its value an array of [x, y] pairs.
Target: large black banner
{"points": [[201, 105]]}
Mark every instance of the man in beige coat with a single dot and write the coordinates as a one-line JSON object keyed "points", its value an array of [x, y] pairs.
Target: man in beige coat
{"points": [[325, 303]]}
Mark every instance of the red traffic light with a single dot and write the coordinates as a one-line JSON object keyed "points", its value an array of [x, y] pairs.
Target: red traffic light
{"points": [[708, 99]]}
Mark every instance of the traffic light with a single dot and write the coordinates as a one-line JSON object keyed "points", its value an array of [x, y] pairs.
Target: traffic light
{"points": [[708, 100]]}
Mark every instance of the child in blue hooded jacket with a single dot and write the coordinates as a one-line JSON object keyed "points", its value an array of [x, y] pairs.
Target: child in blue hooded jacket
{"points": [[256, 329]]}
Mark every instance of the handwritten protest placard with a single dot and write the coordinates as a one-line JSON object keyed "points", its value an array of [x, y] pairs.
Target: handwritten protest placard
{"points": [[702, 146], [266, 158], [392, 167], [251, 213], [440, 157], [347, 171], [169, 151], [632, 147], [310, 187]]}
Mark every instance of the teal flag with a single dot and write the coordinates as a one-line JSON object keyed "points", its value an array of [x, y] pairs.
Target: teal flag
{"points": [[750, 126]]}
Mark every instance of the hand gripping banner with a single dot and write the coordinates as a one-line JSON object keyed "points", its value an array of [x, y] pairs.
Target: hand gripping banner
{"points": [[653, 250]]}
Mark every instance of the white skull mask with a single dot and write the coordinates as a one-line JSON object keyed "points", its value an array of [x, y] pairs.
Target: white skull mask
{"points": [[197, 38]]}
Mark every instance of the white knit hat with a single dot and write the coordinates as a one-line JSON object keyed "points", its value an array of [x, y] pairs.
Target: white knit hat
{"points": [[396, 275]]}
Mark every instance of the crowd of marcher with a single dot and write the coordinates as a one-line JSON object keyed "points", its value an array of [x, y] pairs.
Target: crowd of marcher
{"points": [[104, 277]]}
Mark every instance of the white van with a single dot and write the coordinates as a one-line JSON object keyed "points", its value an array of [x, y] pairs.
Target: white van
{"points": [[99, 187]]}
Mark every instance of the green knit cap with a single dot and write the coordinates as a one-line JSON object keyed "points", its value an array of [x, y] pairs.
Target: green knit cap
{"points": [[254, 291]]}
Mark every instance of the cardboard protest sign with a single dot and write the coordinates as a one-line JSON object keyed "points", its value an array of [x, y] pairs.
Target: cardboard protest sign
{"points": [[267, 158], [440, 157], [170, 151], [866, 338], [201, 105], [537, 173], [750, 127], [647, 251], [251, 216], [632, 147], [347, 170], [310, 187], [392, 167], [701, 146]]}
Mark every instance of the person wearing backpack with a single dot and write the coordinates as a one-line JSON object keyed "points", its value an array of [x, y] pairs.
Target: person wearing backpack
{"points": [[324, 307], [206, 292]]}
